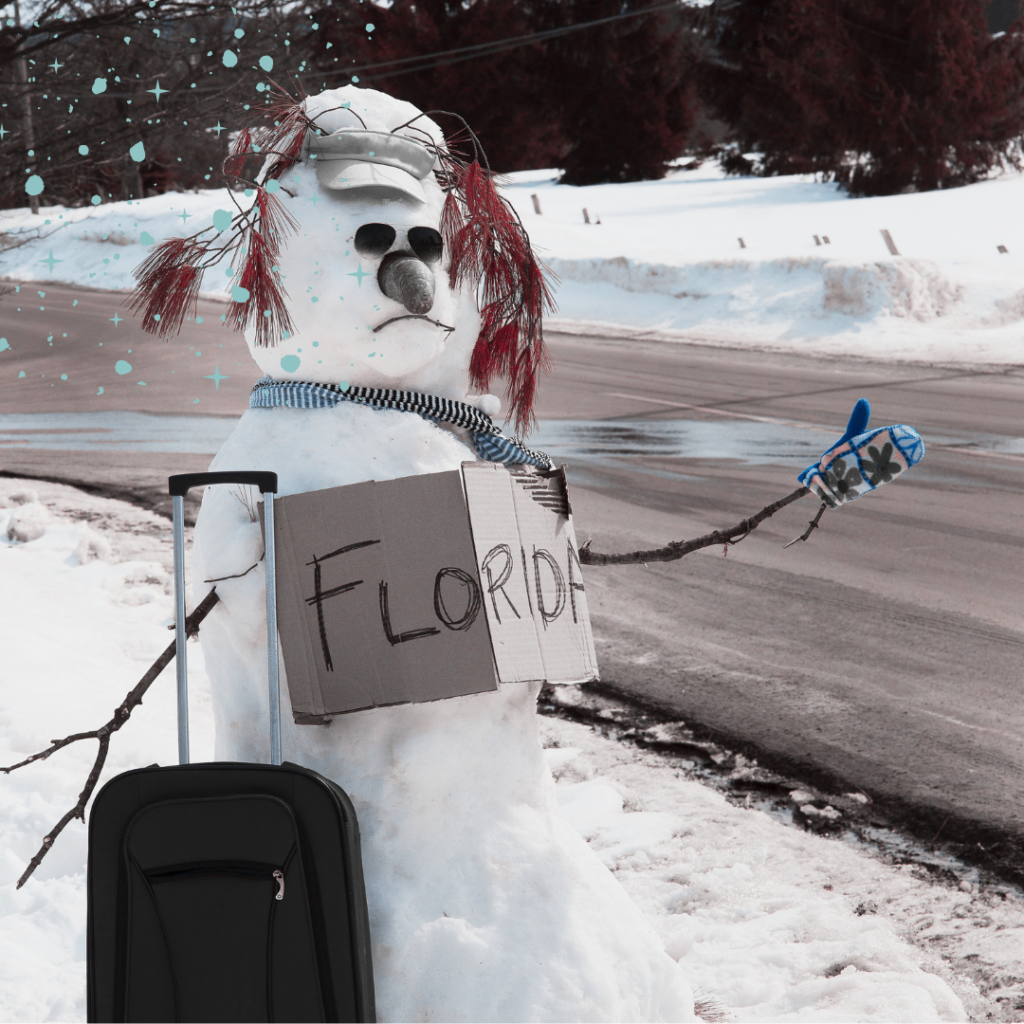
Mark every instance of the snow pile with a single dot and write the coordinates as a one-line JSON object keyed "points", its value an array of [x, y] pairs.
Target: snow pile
{"points": [[788, 263], [84, 609], [769, 923], [29, 519], [915, 288], [734, 289], [100, 246]]}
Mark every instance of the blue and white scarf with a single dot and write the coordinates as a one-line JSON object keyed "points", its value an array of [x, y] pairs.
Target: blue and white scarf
{"points": [[488, 440]]}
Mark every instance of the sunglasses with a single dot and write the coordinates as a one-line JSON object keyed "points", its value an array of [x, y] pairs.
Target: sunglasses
{"points": [[373, 240]]}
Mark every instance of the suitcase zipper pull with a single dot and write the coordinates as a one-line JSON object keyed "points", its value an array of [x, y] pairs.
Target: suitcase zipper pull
{"points": [[279, 878]]}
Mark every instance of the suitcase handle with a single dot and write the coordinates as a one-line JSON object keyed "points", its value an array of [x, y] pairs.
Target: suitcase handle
{"points": [[179, 486]]}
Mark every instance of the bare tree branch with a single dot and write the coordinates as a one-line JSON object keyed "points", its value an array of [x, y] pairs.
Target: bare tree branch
{"points": [[15, 240], [78, 811], [677, 548], [103, 734], [54, 24], [812, 525]]}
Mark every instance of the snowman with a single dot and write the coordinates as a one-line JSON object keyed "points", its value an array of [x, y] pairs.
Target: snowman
{"points": [[484, 904]]}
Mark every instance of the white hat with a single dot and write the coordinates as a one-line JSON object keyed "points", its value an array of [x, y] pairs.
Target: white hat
{"points": [[360, 158]]}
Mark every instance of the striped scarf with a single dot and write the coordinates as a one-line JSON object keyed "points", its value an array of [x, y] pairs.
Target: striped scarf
{"points": [[488, 440]]}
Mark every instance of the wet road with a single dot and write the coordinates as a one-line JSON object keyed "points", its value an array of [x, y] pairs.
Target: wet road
{"points": [[53, 332], [887, 653]]}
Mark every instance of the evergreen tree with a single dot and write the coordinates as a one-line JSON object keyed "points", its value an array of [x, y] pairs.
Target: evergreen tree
{"points": [[499, 94], [609, 102], [883, 95], [625, 90]]}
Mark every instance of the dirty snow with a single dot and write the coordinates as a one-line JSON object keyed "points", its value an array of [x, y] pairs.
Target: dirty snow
{"points": [[768, 922]]}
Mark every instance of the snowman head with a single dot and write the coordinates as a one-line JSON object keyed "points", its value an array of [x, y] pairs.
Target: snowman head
{"points": [[371, 254]]}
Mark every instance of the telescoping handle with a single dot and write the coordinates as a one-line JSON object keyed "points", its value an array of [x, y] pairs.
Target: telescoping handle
{"points": [[179, 486]]}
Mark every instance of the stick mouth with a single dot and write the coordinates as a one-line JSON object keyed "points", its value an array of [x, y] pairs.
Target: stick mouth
{"points": [[414, 316]]}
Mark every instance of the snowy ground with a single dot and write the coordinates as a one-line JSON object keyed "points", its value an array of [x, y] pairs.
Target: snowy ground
{"points": [[665, 261], [770, 922]]}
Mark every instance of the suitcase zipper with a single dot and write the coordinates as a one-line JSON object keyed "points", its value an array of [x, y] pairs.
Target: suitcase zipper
{"points": [[238, 869]]}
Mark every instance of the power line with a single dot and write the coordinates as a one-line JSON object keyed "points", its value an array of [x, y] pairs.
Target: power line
{"points": [[528, 38], [424, 62], [463, 53]]}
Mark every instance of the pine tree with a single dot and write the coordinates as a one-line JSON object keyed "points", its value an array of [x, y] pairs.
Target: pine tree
{"points": [[609, 102], [499, 94], [883, 95], [625, 90]]}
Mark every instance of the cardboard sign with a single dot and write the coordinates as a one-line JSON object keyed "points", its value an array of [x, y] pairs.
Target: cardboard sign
{"points": [[429, 587]]}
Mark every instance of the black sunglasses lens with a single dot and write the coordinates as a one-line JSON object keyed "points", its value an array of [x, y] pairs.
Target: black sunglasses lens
{"points": [[426, 243], [373, 240]]}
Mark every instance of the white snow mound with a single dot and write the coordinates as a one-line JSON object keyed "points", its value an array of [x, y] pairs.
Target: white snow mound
{"points": [[768, 922]]}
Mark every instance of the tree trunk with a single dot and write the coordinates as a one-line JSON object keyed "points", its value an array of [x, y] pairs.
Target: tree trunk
{"points": [[30, 130]]}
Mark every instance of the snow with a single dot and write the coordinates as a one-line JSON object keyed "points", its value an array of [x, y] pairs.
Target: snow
{"points": [[740, 899], [78, 628], [767, 922], [665, 262], [99, 246]]}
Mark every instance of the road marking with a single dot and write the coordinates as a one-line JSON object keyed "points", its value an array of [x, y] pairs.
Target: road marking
{"points": [[963, 448], [724, 412], [967, 725]]}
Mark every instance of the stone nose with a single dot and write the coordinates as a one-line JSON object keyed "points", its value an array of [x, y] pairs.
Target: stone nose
{"points": [[407, 280]]}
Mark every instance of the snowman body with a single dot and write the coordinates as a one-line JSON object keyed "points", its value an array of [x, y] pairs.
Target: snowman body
{"points": [[484, 905]]}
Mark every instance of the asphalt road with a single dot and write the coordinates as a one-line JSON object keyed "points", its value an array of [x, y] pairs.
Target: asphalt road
{"points": [[886, 654], [84, 335]]}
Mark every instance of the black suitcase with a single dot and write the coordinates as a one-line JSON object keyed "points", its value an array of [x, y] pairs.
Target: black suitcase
{"points": [[226, 891]]}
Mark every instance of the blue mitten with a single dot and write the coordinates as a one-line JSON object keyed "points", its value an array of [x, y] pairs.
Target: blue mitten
{"points": [[862, 459]]}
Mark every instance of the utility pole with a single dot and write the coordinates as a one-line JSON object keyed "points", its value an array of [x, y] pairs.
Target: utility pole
{"points": [[30, 130]]}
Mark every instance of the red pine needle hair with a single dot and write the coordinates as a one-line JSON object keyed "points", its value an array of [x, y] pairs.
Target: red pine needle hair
{"points": [[489, 248], [169, 281], [264, 307]]}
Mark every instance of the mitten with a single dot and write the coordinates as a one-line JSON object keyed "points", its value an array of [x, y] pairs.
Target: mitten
{"points": [[862, 459]]}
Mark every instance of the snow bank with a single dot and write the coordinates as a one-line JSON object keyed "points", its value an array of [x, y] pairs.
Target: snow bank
{"points": [[665, 261], [786, 263], [770, 923], [726, 290], [100, 246], [84, 608]]}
